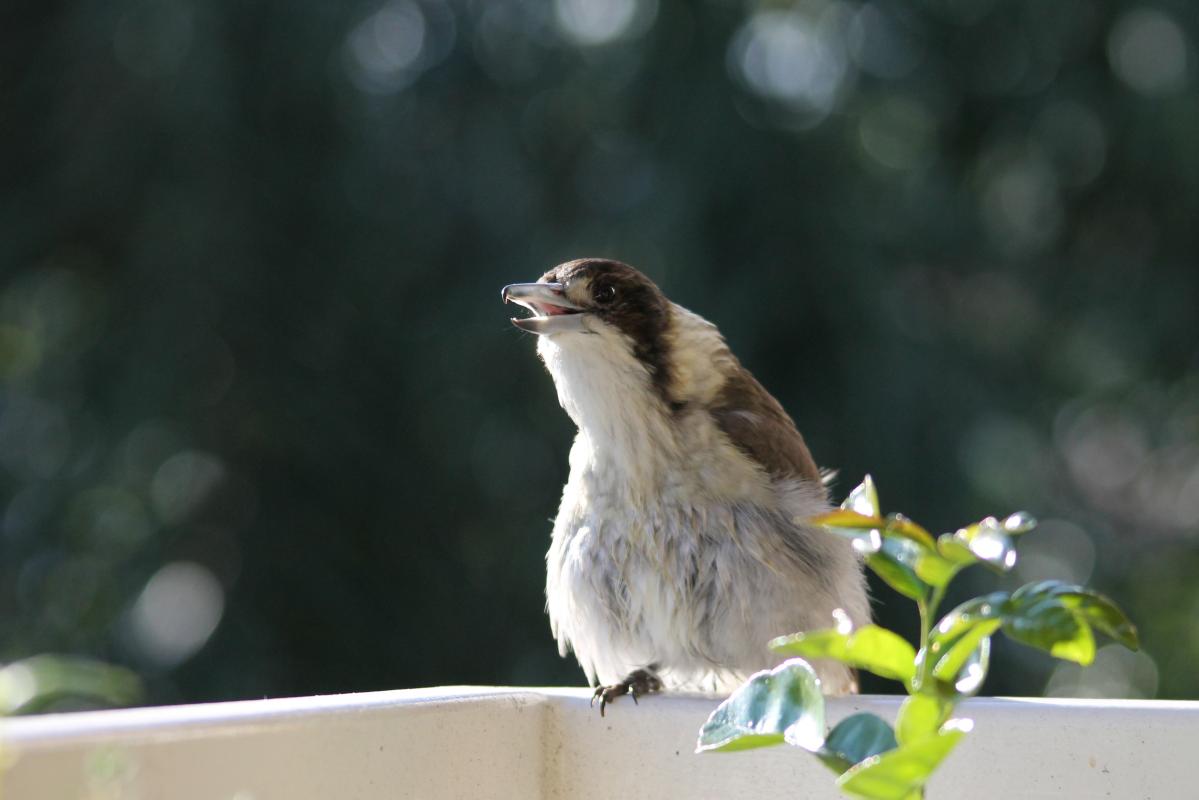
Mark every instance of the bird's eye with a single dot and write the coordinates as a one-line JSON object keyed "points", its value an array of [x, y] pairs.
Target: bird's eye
{"points": [[604, 294]]}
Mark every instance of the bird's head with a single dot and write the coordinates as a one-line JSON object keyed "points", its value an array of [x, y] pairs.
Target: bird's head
{"points": [[582, 296], [599, 321]]}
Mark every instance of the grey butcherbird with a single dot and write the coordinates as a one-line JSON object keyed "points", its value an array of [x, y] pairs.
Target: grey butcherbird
{"points": [[680, 546]]}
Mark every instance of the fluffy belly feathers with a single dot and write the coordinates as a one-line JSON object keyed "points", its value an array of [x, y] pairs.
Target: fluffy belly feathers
{"points": [[694, 592]]}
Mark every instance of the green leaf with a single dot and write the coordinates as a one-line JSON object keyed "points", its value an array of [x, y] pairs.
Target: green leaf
{"points": [[911, 558], [774, 706], [36, 684], [953, 641], [1100, 612], [960, 653], [935, 569], [854, 739], [1048, 625], [970, 678], [929, 566], [1058, 617], [899, 774], [920, 716], [896, 574], [955, 550], [899, 525], [862, 531], [969, 614], [863, 499], [987, 542], [1107, 617], [844, 518], [872, 648], [966, 681]]}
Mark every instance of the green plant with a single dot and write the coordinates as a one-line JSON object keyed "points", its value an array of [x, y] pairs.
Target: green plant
{"points": [[61, 683], [872, 759]]}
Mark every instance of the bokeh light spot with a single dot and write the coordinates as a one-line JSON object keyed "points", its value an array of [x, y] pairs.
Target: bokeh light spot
{"points": [[1104, 447], [1148, 51], [792, 59], [183, 482], [597, 22], [385, 47], [177, 612]]}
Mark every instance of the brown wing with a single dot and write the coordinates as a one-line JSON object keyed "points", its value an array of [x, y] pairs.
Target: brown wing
{"points": [[759, 427]]}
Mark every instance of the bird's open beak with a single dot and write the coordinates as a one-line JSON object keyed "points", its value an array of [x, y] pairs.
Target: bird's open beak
{"points": [[552, 311]]}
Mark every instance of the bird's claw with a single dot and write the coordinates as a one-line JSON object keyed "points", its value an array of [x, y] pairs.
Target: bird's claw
{"points": [[638, 682]]}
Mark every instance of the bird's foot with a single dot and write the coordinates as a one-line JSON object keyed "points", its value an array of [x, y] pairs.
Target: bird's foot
{"points": [[639, 682]]}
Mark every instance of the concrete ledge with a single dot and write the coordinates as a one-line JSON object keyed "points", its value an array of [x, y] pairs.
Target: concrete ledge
{"points": [[482, 742]]}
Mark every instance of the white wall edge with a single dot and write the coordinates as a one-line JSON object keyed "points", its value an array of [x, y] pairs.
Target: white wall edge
{"points": [[502, 742]]}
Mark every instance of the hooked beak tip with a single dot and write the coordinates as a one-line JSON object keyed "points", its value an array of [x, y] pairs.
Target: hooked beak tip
{"points": [[553, 312]]}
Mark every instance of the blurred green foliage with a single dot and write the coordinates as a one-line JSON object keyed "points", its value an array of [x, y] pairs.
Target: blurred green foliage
{"points": [[265, 428], [51, 683]]}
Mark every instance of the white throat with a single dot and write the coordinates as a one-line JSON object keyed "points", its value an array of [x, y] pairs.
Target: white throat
{"points": [[608, 393]]}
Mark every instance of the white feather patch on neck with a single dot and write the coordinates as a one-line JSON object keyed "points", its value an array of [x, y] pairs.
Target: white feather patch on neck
{"points": [[700, 359], [609, 394]]}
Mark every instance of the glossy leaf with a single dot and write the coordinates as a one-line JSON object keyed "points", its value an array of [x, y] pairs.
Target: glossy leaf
{"points": [[909, 561], [1058, 617], [955, 550], [920, 716], [897, 575], [899, 525], [1093, 607], [958, 654], [863, 499], [1104, 615], [854, 739], [844, 518], [774, 706], [969, 614], [871, 647], [926, 563], [863, 531], [898, 774], [987, 542], [1050, 626], [970, 677], [960, 632], [950, 685]]}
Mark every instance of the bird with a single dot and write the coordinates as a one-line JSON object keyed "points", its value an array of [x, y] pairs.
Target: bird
{"points": [[682, 543]]}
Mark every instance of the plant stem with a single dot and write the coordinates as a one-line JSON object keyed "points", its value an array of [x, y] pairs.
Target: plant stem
{"points": [[928, 611], [935, 602]]}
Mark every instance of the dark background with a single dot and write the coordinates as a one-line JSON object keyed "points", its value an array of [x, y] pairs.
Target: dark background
{"points": [[266, 430]]}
